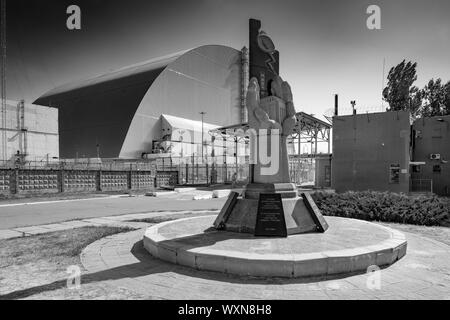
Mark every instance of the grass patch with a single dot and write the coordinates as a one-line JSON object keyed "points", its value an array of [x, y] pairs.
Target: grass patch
{"points": [[54, 246], [386, 206]]}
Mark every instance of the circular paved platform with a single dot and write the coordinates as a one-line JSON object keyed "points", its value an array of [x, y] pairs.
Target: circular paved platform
{"points": [[348, 246], [120, 261]]}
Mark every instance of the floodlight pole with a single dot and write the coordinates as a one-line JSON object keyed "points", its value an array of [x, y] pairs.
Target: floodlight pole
{"points": [[203, 114]]}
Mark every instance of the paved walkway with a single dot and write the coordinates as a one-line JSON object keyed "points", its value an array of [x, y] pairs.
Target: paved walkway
{"points": [[121, 261], [120, 221]]}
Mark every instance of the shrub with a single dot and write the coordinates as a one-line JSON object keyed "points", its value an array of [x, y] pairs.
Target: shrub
{"points": [[385, 206]]}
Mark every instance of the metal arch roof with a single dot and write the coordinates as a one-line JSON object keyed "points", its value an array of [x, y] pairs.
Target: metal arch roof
{"points": [[110, 110], [187, 124], [304, 120], [311, 119], [137, 68]]}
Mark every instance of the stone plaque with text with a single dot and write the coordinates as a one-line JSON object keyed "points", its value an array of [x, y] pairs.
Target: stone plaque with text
{"points": [[270, 219]]}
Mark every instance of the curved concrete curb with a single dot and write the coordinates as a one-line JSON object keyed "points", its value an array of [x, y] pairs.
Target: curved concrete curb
{"points": [[274, 265]]}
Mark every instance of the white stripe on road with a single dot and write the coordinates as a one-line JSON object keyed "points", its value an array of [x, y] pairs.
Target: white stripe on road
{"points": [[59, 201]]}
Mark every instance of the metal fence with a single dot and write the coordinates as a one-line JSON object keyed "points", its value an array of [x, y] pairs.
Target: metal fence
{"points": [[214, 170], [83, 174], [421, 185], [83, 164]]}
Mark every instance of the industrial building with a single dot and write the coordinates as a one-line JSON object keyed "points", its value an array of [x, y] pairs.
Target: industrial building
{"points": [[174, 108], [30, 132], [389, 151], [177, 118], [118, 115], [430, 169]]}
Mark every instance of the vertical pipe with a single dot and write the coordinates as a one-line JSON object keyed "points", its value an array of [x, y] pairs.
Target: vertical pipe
{"points": [[19, 128], [336, 105], [236, 156], [299, 155], [244, 83], [225, 173], [329, 141]]}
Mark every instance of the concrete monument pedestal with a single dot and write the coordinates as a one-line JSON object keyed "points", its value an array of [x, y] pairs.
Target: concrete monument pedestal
{"points": [[242, 214], [349, 246], [296, 215]]}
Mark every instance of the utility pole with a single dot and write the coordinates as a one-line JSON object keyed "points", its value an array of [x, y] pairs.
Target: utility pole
{"points": [[203, 114], [3, 76]]}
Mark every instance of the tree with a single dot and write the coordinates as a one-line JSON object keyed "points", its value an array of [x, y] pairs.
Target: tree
{"points": [[415, 101], [437, 98], [400, 92], [447, 98]]}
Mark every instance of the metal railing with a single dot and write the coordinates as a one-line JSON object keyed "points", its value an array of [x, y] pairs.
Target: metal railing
{"points": [[421, 185]]}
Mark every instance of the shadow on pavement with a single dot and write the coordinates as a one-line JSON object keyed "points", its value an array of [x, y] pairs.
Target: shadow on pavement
{"points": [[149, 265]]}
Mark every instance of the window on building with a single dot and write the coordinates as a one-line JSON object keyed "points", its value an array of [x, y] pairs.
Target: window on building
{"points": [[394, 174], [437, 168]]}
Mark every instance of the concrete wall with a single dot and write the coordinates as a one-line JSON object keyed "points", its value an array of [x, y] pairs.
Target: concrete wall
{"points": [[364, 148], [323, 172], [432, 136], [41, 181], [41, 124]]}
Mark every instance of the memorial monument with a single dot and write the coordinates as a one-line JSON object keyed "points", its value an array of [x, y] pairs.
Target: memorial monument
{"points": [[270, 204], [270, 230]]}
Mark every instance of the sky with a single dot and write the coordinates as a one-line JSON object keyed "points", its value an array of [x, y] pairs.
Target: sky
{"points": [[325, 46]]}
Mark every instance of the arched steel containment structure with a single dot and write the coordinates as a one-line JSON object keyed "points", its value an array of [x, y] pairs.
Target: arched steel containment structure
{"points": [[120, 111]]}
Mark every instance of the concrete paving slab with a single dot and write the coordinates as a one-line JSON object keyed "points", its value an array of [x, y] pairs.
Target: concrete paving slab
{"points": [[77, 223], [100, 221], [32, 230], [8, 234]]}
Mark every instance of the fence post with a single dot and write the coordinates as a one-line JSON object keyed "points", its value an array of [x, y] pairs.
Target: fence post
{"points": [[99, 180], [61, 176], [129, 182], [15, 182]]}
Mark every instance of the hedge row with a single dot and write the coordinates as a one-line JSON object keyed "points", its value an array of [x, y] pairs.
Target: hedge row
{"points": [[385, 206]]}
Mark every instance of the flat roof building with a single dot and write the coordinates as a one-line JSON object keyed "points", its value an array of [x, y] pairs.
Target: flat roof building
{"points": [[389, 151], [31, 133], [431, 145], [371, 152]]}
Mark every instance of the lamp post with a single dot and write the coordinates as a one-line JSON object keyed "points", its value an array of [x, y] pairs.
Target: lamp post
{"points": [[206, 165], [203, 114]]}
